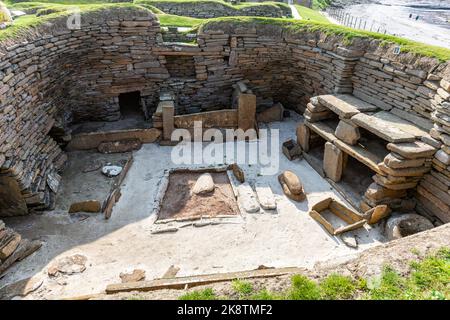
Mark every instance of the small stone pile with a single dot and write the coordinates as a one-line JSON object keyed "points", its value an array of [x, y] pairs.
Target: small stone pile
{"points": [[13, 247]]}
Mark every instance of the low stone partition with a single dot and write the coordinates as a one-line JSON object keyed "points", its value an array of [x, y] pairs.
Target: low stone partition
{"points": [[206, 9]]}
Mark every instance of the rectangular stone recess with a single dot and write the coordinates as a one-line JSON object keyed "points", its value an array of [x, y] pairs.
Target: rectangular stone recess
{"points": [[352, 219], [179, 202], [383, 126], [182, 67]]}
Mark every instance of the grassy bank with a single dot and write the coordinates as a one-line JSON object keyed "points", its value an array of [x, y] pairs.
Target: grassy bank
{"points": [[348, 34], [428, 279], [41, 12], [310, 14]]}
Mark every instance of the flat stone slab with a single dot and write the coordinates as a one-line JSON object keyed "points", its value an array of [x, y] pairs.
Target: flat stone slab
{"points": [[401, 124], [387, 130], [412, 150], [394, 162], [362, 155], [322, 130], [247, 198], [265, 196], [345, 105]]}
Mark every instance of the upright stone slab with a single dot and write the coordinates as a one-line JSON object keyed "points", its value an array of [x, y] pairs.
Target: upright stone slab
{"points": [[168, 113], [303, 135], [333, 161], [347, 132], [246, 111]]}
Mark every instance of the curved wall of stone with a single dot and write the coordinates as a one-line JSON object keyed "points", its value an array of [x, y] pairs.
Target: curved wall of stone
{"points": [[214, 9], [56, 76]]}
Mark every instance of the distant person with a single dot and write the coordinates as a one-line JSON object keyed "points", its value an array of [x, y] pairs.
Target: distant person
{"points": [[417, 18], [410, 15]]}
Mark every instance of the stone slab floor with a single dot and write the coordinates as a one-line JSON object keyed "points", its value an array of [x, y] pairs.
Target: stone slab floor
{"points": [[123, 243]]}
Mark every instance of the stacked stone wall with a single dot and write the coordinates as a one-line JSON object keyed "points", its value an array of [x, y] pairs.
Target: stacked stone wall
{"points": [[214, 9], [62, 76]]}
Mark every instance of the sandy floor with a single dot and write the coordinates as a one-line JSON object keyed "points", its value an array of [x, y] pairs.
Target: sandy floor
{"points": [[123, 243], [393, 16]]}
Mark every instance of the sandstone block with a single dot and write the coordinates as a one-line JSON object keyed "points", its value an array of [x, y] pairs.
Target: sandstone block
{"points": [[376, 192], [333, 161], [246, 111], [396, 161], [9, 241], [204, 184], [412, 150], [303, 135], [247, 198], [265, 196], [443, 157], [347, 132], [292, 186]]}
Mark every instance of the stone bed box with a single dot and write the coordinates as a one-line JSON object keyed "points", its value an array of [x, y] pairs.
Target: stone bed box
{"points": [[353, 219]]}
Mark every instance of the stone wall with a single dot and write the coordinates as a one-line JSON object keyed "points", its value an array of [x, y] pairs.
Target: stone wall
{"points": [[214, 9], [55, 76]]}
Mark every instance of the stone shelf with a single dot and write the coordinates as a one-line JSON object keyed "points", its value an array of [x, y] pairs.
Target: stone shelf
{"points": [[361, 154], [384, 126], [344, 105], [322, 129]]}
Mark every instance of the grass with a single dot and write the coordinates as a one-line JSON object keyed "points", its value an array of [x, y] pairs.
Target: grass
{"points": [[428, 279], [321, 4], [178, 21], [310, 14], [206, 294], [53, 9]]}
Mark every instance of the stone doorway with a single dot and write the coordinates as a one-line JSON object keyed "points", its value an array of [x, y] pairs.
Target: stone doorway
{"points": [[130, 105]]}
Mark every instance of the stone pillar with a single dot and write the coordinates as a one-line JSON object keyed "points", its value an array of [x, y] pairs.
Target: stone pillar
{"points": [[333, 161], [246, 111], [303, 136], [168, 113], [347, 132]]}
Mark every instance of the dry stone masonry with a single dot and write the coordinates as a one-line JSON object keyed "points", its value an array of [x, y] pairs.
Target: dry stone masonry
{"points": [[55, 77], [214, 9]]}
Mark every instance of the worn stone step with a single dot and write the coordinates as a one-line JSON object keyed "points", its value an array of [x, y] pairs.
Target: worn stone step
{"points": [[385, 129]]}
